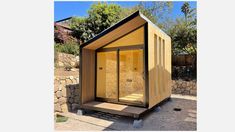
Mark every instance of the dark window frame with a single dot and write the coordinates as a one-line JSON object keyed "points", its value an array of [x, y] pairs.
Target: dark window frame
{"points": [[145, 65]]}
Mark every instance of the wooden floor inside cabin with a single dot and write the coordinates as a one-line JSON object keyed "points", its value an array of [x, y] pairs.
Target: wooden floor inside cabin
{"points": [[134, 97]]}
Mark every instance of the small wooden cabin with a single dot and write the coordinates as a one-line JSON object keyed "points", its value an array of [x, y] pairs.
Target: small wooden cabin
{"points": [[126, 69]]}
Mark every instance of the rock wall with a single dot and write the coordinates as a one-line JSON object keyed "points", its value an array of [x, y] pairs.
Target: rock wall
{"points": [[184, 87], [63, 60], [66, 93]]}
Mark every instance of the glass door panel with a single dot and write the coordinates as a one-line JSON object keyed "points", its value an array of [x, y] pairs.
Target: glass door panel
{"points": [[106, 75], [131, 73]]}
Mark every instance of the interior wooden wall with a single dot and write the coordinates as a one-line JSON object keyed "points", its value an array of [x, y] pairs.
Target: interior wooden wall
{"points": [[88, 75], [136, 37], [120, 31], [159, 65], [107, 76]]}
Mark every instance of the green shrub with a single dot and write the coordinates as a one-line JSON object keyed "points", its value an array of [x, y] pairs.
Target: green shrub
{"points": [[55, 59], [69, 48], [60, 118]]}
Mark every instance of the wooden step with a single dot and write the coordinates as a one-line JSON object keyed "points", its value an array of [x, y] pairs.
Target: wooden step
{"points": [[118, 109]]}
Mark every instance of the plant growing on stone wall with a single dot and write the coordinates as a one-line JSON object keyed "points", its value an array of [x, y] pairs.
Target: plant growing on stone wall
{"points": [[55, 58], [69, 48]]}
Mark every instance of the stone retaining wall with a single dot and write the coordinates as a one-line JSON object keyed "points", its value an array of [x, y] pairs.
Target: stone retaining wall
{"points": [[184, 87], [65, 60], [66, 93]]}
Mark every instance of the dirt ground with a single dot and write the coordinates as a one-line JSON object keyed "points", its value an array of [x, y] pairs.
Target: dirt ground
{"points": [[165, 119]]}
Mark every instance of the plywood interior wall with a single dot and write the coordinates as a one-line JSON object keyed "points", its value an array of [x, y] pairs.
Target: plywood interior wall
{"points": [[134, 38], [115, 34], [131, 83], [88, 75], [106, 75], [159, 59]]}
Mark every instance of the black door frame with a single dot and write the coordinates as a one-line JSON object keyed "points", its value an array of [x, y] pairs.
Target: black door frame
{"points": [[145, 63], [118, 49]]}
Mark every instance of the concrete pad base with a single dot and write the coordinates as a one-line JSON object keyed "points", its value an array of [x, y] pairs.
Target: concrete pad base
{"points": [[80, 112], [157, 109], [138, 123]]}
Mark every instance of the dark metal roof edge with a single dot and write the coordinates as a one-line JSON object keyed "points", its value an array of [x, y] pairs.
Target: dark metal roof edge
{"points": [[63, 19], [154, 25], [106, 31], [121, 22]]}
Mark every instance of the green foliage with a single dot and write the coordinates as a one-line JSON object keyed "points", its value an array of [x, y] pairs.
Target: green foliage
{"points": [[184, 38], [76, 20], [55, 58], [101, 16], [69, 48], [185, 9], [184, 32], [156, 11], [60, 118]]}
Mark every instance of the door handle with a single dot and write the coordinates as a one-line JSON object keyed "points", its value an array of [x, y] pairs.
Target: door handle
{"points": [[129, 80], [143, 75]]}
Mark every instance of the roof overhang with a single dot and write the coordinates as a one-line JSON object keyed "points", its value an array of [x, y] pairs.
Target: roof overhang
{"points": [[118, 30]]}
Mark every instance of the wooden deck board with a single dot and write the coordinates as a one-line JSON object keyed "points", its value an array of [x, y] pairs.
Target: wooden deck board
{"points": [[114, 108]]}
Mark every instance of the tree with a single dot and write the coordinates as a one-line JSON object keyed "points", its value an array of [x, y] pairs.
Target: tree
{"points": [[155, 11], [184, 35], [100, 16], [184, 32], [184, 38], [185, 9]]}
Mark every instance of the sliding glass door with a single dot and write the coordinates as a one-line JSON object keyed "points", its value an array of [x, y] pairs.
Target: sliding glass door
{"points": [[120, 76], [131, 73], [106, 86]]}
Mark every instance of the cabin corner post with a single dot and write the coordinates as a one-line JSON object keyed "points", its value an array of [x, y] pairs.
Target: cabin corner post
{"points": [[80, 75], [95, 75], [146, 73]]}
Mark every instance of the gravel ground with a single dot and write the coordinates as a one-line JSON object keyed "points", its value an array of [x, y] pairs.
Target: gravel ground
{"points": [[165, 119]]}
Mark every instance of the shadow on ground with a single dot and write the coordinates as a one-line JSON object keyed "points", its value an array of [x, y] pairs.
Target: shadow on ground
{"points": [[178, 114], [183, 118]]}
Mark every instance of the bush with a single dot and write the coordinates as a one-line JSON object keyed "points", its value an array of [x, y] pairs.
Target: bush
{"points": [[55, 59], [69, 48], [60, 118]]}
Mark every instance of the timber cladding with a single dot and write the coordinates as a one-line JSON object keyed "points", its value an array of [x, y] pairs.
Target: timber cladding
{"points": [[159, 65], [88, 73], [111, 73]]}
